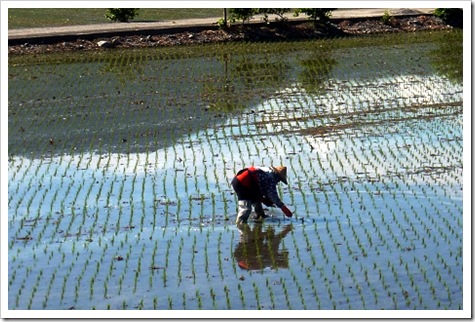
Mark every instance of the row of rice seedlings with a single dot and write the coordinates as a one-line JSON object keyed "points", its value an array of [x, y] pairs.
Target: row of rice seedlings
{"points": [[428, 281], [193, 252], [37, 121], [407, 289], [206, 257], [66, 275], [25, 199], [228, 299], [220, 255], [126, 261], [442, 281], [355, 283], [327, 284], [395, 273], [429, 232], [386, 286], [442, 217], [241, 296], [34, 289], [109, 204], [396, 216], [292, 191], [79, 285], [438, 227], [26, 273], [322, 248], [14, 194], [19, 293], [167, 254], [108, 277], [271, 294], [231, 254], [138, 270], [448, 268], [308, 248], [256, 294], [286, 293], [300, 292]]}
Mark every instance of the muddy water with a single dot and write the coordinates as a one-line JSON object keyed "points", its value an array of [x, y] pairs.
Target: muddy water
{"points": [[119, 194]]}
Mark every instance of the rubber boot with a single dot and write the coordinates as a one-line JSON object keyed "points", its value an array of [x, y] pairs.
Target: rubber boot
{"points": [[260, 214], [245, 208]]}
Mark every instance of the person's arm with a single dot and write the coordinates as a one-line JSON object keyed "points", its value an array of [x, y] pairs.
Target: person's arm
{"points": [[270, 193], [268, 189]]}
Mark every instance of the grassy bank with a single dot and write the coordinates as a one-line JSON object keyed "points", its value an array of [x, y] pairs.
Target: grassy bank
{"points": [[49, 17]]}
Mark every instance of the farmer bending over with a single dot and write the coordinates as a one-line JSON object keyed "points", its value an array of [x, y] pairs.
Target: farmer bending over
{"points": [[257, 185]]}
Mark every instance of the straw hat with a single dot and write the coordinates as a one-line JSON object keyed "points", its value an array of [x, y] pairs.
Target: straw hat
{"points": [[282, 172]]}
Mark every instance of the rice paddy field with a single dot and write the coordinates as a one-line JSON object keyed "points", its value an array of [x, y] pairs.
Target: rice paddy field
{"points": [[120, 163]]}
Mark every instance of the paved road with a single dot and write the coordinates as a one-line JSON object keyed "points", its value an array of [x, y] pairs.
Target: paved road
{"points": [[96, 29]]}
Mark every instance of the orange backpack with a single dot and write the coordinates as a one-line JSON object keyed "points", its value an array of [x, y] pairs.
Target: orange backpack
{"points": [[247, 176]]}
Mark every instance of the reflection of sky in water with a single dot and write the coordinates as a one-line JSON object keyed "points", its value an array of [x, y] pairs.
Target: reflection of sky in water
{"points": [[400, 150], [200, 166]]}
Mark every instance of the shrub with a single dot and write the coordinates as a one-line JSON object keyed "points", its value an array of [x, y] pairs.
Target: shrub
{"points": [[121, 14], [273, 11], [452, 16], [386, 18], [241, 14], [315, 14]]}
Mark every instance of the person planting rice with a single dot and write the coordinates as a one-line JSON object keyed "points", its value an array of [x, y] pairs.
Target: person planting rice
{"points": [[255, 186]]}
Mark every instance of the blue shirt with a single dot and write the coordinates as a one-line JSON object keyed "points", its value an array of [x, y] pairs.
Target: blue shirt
{"points": [[268, 181]]}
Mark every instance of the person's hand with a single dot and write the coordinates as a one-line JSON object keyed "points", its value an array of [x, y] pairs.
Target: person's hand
{"points": [[286, 211]]}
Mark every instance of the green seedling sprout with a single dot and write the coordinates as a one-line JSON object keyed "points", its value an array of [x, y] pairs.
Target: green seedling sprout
{"points": [[198, 297], [241, 296]]}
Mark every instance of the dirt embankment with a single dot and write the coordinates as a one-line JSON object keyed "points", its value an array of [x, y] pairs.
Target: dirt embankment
{"points": [[273, 32]]}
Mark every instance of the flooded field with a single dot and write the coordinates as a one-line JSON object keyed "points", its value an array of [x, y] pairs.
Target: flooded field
{"points": [[120, 163]]}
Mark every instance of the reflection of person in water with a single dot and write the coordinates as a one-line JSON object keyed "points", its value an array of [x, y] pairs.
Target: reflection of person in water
{"points": [[259, 249]]}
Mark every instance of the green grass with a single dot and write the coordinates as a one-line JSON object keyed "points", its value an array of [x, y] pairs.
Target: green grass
{"points": [[47, 17]]}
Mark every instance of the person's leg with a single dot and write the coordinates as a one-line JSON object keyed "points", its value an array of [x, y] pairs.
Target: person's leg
{"points": [[244, 202], [245, 208], [259, 210]]}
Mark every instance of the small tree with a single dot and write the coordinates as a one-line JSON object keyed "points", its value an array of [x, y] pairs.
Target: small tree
{"points": [[315, 14], [121, 14], [273, 11], [241, 14]]}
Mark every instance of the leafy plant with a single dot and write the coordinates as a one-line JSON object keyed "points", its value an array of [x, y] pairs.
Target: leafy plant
{"points": [[242, 14], [121, 14], [317, 15], [273, 11], [386, 18]]}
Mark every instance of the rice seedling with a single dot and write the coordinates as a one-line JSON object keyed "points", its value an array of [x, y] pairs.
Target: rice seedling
{"points": [[241, 296]]}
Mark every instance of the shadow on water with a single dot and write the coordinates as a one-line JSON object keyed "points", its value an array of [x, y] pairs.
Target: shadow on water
{"points": [[140, 101], [125, 70], [132, 103], [258, 247], [447, 59], [316, 70], [245, 80]]}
